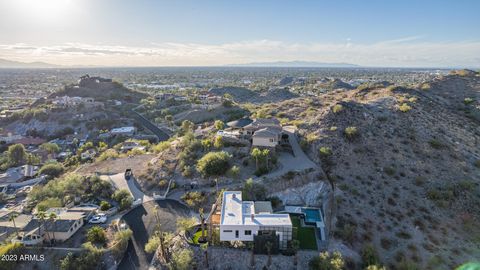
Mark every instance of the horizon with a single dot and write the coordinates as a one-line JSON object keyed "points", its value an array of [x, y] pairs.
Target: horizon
{"points": [[213, 33]]}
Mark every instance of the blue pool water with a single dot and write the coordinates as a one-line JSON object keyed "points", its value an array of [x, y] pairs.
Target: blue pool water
{"points": [[311, 215]]}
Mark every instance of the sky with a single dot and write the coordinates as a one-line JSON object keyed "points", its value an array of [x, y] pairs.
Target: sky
{"points": [[408, 33]]}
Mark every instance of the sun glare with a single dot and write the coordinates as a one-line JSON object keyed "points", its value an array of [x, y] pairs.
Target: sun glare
{"points": [[45, 10]]}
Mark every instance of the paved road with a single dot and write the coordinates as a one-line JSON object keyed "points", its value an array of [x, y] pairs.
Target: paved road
{"points": [[142, 222], [162, 136]]}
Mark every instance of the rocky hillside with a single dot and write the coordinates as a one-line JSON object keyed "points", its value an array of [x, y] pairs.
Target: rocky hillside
{"points": [[406, 166]]}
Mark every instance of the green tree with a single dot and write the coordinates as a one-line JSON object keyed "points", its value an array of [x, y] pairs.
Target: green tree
{"points": [[153, 243], [182, 259], [327, 261], [123, 198], [104, 205], [52, 170], [97, 234], [51, 148], [183, 224], [214, 163], [256, 154], [187, 126], [16, 154]]}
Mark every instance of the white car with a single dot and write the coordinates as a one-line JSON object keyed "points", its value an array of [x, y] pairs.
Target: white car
{"points": [[100, 218]]}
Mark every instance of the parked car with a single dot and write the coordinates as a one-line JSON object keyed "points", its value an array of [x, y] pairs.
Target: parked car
{"points": [[128, 174], [97, 219]]}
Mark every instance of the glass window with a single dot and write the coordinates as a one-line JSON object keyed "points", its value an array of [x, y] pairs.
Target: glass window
{"points": [[236, 234], [248, 232], [227, 230]]}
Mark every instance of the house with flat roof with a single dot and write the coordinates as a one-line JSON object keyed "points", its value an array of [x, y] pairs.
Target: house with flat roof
{"points": [[244, 220], [123, 131]]}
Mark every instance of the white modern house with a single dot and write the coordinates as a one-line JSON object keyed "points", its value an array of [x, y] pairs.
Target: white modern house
{"points": [[242, 220], [123, 131]]}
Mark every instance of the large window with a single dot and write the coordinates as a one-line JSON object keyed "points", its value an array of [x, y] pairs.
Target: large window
{"points": [[248, 232]]}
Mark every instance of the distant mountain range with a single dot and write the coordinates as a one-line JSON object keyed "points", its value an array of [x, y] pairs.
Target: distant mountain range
{"points": [[16, 64], [294, 64]]}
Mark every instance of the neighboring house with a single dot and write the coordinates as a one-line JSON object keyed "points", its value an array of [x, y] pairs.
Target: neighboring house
{"points": [[261, 123], [123, 131], [18, 174], [66, 224], [244, 220], [70, 102], [129, 145], [267, 137], [30, 141], [88, 154], [9, 137]]}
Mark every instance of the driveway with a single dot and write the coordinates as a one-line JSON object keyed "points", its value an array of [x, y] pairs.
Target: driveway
{"points": [[142, 222], [288, 162], [119, 181]]}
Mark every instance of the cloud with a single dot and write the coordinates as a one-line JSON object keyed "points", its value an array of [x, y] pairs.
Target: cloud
{"points": [[402, 52]]}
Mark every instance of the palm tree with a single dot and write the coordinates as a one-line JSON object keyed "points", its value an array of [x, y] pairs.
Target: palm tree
{"points": [[202, 224], [252, 257], [53, 219], [12, 218], [266, 154], [256, 154], [205, 250], [295, 247], [269, 246], [41, 215]]}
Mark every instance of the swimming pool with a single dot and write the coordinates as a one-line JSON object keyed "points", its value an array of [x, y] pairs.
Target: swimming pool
{"points": [[311, 215]]}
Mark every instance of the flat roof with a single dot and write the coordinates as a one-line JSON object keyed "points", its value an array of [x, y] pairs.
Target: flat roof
{"points": [[238, 212]]}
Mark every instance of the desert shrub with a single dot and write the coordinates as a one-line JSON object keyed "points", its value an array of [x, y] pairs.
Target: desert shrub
{"points": [[9, 249], [49, 203], [389, 170], [327, 261], [369, 255], [337, 108], [214, 163], [97, 234], [425, 86], [182, 259], [333, 128], [194, 198], [404, 107], [436, 144], [234, 171], [52, 169], [468, 101], [108, 154], [403, 235], [252, 191], [477, 163], [163, 183], [160, 147], [351, 132], [325, 151]]}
